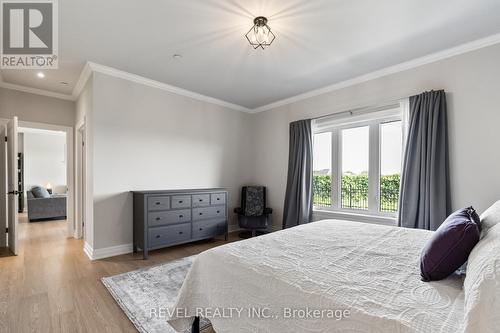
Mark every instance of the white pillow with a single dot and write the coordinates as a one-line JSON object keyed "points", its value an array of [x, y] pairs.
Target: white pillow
{"points": [[490, 218], [482, 285]]}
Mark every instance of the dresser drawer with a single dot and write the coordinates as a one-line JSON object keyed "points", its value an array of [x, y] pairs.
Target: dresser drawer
{"points": [[209, 213], [201, 200], [172, 216], [158, 203], [218, 198], [169, 234], [181, 201], [207, 229]]}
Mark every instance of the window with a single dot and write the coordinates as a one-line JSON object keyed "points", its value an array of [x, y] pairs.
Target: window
{"points": [[390, 165], [357, 162], [355, 166], [322, 169]]}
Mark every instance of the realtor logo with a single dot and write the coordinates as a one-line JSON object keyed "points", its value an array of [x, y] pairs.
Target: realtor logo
{"points": [[29, 34]]}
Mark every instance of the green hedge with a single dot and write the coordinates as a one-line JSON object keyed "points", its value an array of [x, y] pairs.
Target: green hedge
{"points": [[355, 191]]}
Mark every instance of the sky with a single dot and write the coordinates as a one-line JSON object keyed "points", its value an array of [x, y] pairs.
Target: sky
{"points": [[355, 149]]}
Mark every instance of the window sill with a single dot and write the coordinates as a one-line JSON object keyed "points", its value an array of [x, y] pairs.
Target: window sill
{"points": [[319, 214]]}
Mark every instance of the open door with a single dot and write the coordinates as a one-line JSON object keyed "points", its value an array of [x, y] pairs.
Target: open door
{"points": [[3, 187], [12, 185]]}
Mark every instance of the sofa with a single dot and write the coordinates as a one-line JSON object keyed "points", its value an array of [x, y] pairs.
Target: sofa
{"points": [[45, 206]]}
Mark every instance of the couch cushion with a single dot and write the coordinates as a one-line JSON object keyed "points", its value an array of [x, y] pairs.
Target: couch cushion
{"points": [[40, 192], [450, 246]]}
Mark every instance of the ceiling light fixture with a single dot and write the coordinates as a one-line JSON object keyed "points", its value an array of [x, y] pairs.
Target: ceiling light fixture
{"points": [[260, 34], [40, 75], [177, 56]]}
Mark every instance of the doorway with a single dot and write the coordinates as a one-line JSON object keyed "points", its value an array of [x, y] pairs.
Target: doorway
{"points": [[43, 164], [47, 153], [13, 182]]}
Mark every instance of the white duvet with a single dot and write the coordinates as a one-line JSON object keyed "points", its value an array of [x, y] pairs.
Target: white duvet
{"points": [[273, 283]]}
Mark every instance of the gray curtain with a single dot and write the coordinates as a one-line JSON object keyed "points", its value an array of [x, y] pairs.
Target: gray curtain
{"points": [[298, 196], [425, 193]]}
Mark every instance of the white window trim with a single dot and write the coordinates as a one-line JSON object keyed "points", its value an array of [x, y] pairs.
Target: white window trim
{"points": [[322, 214], [371, 118]]}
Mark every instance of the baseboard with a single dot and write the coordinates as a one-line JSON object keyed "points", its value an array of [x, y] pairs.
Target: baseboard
{"points": [[276, 227], [236, 228], [87, 249], [96, 254], [233, 228]]}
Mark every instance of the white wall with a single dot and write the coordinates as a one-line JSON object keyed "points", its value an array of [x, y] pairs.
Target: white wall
{"points": [[41, 112], [472, 83], [36, 108], [45, 160], [146, 138]]}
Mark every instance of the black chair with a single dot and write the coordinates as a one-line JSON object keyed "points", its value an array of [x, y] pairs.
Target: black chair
{"points": [[253, 213]]}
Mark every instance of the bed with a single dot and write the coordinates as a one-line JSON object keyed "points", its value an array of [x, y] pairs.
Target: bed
{"points": [[272, 283]]}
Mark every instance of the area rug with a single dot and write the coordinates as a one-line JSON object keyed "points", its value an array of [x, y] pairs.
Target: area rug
{"points": [[146, 294]]}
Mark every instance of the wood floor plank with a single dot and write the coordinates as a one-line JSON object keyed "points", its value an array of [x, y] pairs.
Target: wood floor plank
{"points": [[34, 314], [51, 285]]}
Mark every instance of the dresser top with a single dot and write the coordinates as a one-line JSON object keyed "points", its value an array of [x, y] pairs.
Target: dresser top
{"points": [[190, 190]]}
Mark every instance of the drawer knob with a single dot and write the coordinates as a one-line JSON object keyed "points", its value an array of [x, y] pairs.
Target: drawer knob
{"points": [[158, 218], [158, 203], [180, 232], [218, 198], [201, 213], [180, 201], [201, 200], [157, 236], [201, 229], [181, 216], [218, 211]]}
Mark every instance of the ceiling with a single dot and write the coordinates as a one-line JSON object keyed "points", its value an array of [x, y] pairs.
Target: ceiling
{"points": [[318, 43]]}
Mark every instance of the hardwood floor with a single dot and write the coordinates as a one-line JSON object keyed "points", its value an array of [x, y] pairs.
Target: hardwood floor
{"points": [[51, 286]]}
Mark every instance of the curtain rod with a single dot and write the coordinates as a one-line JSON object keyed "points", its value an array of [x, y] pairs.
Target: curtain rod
{"points": [[360, 110]]}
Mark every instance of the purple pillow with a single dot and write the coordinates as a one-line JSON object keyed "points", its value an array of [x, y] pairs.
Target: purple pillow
{"points": [[450, 246]]}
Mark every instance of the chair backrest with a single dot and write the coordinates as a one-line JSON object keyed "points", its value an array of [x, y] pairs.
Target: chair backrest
{"points": [[253, 200]]}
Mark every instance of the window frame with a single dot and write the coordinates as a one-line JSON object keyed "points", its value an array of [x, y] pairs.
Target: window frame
{"points": [[373, 121]]}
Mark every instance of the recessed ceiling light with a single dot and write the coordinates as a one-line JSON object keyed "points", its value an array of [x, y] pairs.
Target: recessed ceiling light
{"points": [[177, 56], [40, 75]]}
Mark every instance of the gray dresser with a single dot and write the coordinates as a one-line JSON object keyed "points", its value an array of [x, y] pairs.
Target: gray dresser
{"points": [[166, 218]]}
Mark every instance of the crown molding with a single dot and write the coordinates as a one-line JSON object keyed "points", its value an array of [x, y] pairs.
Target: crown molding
{"points": [[434, 57], [82, 80], [93, 67], [35, 91]]}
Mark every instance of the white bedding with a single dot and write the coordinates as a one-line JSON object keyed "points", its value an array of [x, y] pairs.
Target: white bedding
{"points": [[370, 270]]}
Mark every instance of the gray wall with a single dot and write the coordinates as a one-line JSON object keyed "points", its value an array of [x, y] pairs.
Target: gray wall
{"points": [[472, 82], [36, 108], [146, 138]]}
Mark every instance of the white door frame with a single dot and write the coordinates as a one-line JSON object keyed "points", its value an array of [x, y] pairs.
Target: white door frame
{"points": [[70, 178], [80, 181]]}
